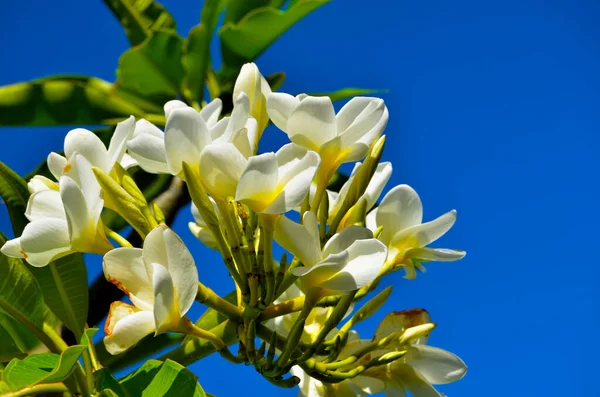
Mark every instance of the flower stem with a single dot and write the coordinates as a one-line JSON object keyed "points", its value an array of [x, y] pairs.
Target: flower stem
{"points": [[122, 241], [187, 327], [267, 226], [209, 298]]}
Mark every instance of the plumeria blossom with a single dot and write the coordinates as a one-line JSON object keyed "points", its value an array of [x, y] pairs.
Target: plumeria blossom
{"points": [[200, 229], [161, 281], [416, 372], [272, 183], [350, 260], [62, 220], [188, 132], [338, 138], [87, 144], [251, 82], [401, 214]]}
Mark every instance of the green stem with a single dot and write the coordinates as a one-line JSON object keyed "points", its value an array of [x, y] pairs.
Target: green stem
{"points": [[189, 328], [267, 226], [122, 241], [209, 298]]}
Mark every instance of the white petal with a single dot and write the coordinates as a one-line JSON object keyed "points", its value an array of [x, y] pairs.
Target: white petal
{"points": [[154, 250], [312, 123], [39, 183], [430, 231], [118, 142], [127, 161], [257, 185], [125, 268], [78, 217], [249, 81], [400, 208], [186, 135], [316, 276], [173, 104], [309, 386], [239, 115], [296, 170], [279, 108], [436, 365], [210, 113], [13, 248], [198, 217], [366, 258], [297, 239], [44, 239], [345, 238], [436, 254], [80, 170], [221, 167], [166, 312], [365, 129], [88, 145], [56, 164], [371, 221], [147, 147], [245, 138], [125, 326], [182, 269], [369, 385], [204, 234], [45, 204], [400, 321], [377, 183], [412, 381]]}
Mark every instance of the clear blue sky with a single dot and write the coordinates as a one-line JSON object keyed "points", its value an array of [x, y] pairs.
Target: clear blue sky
{"points": [[494, 111]]}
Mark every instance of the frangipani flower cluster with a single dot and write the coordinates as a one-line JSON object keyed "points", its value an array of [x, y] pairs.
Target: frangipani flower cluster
{"points": [[342, 244]]}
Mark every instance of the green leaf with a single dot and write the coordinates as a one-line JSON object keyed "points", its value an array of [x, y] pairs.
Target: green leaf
{"points": [[8, 347], [14, 333], [197, 49], [245, 40], [140, 17], [154, 68], [162, 379], [65, 288], [236, 10], [108, 385], [14, 193], [41, 368], [20, 294], [60, 100], [346, 93]]}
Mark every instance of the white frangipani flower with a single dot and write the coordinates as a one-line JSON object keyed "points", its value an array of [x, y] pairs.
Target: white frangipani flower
{"points": [[251, 82], [312, 122], [188, 132], [401, 214], [416, 372], [87, 144], [274, 183], [39, 182], [64, 220], [161, 281], [350, 260]]}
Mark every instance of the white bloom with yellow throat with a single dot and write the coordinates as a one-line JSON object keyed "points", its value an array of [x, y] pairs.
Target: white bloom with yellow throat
{"points": [[338, 138], [62, 220], [87, 144], [350, 260], [400, 214], [161, 281]]}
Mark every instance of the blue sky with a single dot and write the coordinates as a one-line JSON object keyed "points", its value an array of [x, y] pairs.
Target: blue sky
{"points": [[494, 111]]}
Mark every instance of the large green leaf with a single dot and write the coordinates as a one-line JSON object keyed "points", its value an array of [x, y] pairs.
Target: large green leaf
{"points": [[8, 347], [20, 294], [140, 17], [245, 40], [14, 193], [60, 100], [41, 368], [14, 334], [154, 68], [348, 92], [108, 385], [162, 379], [197, 50], [65, 288]]}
